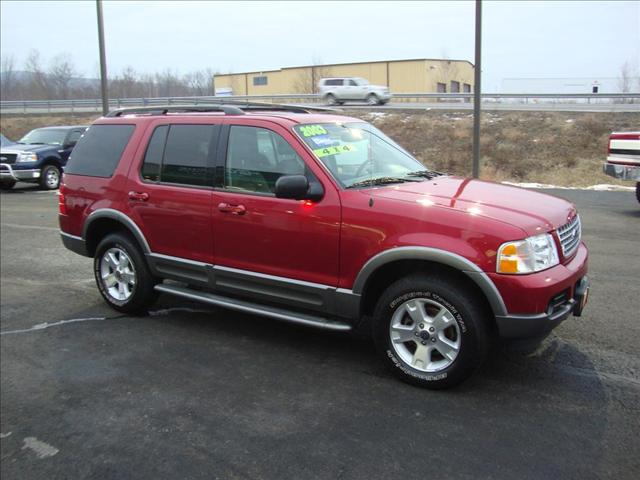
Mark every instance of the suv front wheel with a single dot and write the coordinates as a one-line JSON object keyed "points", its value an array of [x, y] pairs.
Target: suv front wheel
{"points": [[122, 275], [50, 177], [430, 332]]}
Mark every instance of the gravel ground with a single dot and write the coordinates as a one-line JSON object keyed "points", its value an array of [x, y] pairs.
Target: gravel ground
{"points": [[195, 392]]}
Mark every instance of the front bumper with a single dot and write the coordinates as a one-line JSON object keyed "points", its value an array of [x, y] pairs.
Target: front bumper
{"points": [[622, 172], [8, 173], [551, 296]]}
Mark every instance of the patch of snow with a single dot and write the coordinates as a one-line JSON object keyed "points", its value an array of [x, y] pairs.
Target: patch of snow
{"points": [[603, 187], [571, 120]]}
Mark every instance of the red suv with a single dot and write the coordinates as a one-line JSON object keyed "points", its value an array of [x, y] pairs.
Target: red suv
{"points": [[322, 220]]}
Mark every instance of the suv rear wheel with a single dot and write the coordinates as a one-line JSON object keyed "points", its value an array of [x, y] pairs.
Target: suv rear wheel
{"points": [[331, 99], [122, 275], [372, 99], [430, 332]]}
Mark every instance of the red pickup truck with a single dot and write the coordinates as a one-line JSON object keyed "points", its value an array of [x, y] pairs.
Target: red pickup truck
{"points": [[623, 159], [321, 220]]}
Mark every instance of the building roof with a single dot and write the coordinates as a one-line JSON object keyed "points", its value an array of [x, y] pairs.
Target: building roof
{"points": [[347, 63]]}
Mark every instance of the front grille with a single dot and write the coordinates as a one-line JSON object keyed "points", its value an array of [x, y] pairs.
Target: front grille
{"points": [[570, 235], [8, 157]]}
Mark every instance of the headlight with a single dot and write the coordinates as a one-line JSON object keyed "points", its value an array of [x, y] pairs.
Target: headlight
{"points": [[527, 256], [27, 157]]}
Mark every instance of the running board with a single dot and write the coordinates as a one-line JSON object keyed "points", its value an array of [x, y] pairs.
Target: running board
{"points": [[253, 308]]}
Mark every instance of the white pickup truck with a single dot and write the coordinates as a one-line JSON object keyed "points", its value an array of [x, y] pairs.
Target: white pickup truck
{"points": [[623, 160]]}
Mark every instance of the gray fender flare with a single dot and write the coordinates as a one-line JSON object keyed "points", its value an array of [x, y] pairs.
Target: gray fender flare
{"points": [[480, 278], [123, 219]]}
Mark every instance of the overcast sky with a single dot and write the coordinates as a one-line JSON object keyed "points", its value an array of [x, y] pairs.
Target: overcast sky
{"points": [[520, 39]]}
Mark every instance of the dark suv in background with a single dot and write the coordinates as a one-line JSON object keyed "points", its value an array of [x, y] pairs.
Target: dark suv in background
{"points": [[38, 157]]}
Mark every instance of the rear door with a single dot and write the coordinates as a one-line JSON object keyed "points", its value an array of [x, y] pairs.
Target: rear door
{"points": [[170, 193]]}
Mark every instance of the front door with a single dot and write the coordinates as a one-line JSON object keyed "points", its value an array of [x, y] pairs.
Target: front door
{"points": [[265, 243]]}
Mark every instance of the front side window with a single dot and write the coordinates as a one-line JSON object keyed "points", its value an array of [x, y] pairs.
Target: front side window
{"points": [[45, 136], [358, 152], [257, 157], [74, 136]]}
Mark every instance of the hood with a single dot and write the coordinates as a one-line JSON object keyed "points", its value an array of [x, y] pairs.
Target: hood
{"points": [[18, 147], [378, 87], [532, 212]]}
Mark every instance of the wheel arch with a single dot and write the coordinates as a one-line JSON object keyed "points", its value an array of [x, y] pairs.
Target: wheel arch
{"points": [[52, 160], [388, 266], [104, 221]]}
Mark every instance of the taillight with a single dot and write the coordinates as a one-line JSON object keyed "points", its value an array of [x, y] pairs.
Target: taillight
{"points": [[62, 206]]}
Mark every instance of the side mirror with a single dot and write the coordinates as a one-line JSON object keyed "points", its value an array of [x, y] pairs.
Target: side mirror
{"points": [[296, 187]]}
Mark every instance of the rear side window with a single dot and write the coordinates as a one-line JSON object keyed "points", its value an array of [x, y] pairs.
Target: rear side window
{"points": [[99, 150], [182, 154], [153, 157]]}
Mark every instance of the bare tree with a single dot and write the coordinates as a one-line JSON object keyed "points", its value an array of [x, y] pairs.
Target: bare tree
{"points": [[39, 87], [60, 75], [8, 85], [624, 80], [200, 82], [307, 80]]}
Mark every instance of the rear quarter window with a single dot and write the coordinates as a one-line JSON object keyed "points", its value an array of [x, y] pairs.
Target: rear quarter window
{"points": [[98, 152]]}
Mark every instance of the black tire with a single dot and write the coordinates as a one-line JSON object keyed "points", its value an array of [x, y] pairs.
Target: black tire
{"points": [[638, 191], [50, 177], [372, 99], [7, 185], [141, 294], [471, 334], [331, 99]]}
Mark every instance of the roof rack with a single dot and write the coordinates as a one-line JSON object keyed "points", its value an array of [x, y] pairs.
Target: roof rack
{"points": [[228, 108], [162, 110], [275, 107]]}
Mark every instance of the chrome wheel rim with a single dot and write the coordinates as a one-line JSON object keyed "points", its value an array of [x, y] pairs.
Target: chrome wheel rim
{"points": [[52, 177], [372, 100], [425, 335], [117, 274]]}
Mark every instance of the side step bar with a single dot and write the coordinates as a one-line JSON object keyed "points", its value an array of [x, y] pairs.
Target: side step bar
{"points": [[253, 308]]}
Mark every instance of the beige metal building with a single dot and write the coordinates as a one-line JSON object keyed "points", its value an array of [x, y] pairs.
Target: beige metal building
{"points": [[401, 76]]}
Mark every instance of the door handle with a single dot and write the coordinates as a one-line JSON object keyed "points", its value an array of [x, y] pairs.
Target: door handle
{"points": [[139, 196], [233, 209]]}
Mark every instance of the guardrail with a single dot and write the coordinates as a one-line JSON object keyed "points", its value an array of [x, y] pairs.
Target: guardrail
{"points": [[95, 105]]}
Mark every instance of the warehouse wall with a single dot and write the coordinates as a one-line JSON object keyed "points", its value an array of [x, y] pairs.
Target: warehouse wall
{"points": [[402, 76]]}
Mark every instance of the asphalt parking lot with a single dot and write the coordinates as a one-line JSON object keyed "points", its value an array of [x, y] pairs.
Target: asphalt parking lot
{"points": [[195, 392]]}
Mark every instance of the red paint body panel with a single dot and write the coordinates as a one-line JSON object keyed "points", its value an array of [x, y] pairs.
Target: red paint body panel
{"points": [[327, 242], [531, 293]]}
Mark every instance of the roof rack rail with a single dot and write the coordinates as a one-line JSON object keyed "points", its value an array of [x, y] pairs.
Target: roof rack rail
{"points": [[288, 107], [162, 110], [228, 108]]}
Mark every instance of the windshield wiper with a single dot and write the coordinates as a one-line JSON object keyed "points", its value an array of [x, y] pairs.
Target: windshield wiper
{"points": [[380, 181], [429, 174], [37, 143]]}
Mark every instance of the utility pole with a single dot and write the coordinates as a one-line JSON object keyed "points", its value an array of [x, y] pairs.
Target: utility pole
{"points": [[103, 60], [476, 91]]}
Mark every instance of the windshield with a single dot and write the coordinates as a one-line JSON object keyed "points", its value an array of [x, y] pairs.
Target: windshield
{"points": [[48, 136], [357, 152]]}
